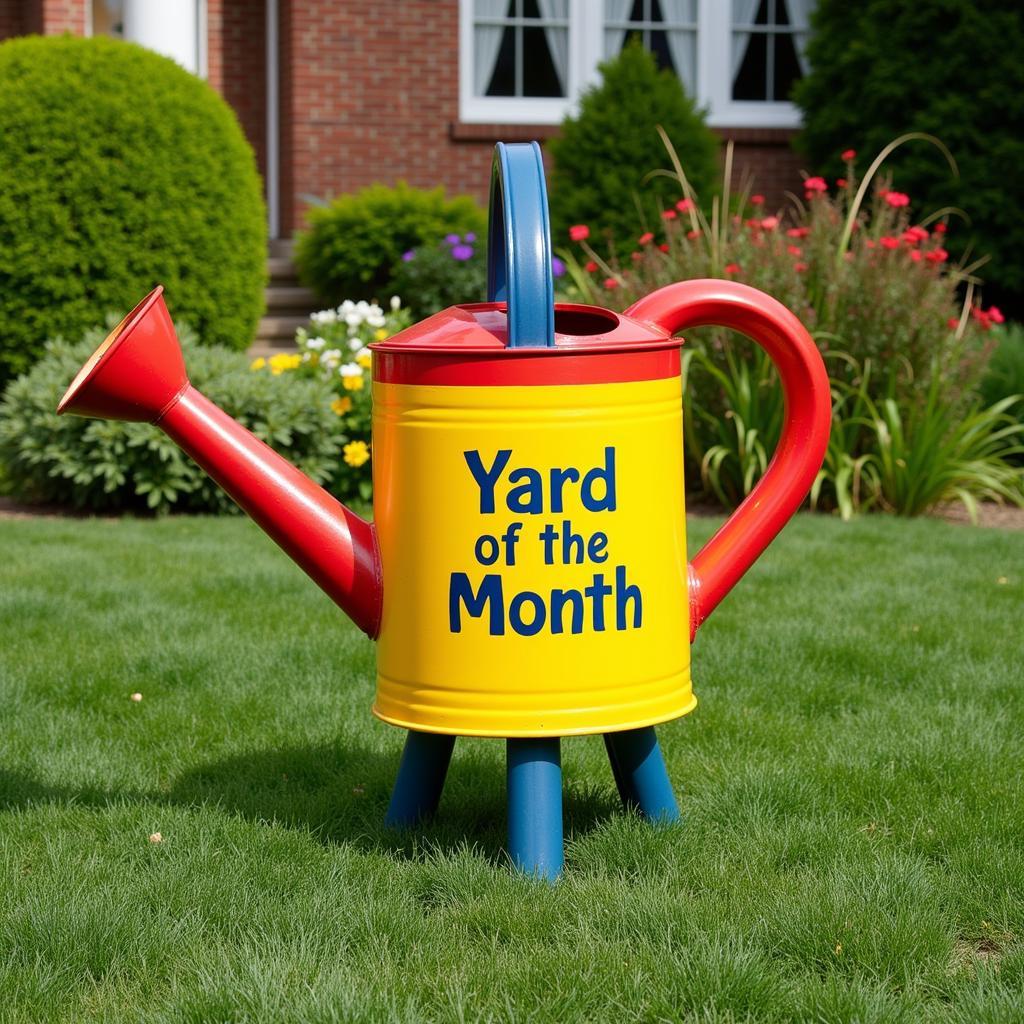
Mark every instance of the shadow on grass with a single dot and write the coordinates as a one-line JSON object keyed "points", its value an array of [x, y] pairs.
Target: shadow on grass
{"points": [[338, 794]]}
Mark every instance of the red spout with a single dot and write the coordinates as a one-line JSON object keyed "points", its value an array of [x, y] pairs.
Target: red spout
{"points": [[138, 374]]}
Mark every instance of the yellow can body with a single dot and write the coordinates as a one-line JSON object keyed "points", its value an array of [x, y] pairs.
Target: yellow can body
{"points": [[533, 546]]}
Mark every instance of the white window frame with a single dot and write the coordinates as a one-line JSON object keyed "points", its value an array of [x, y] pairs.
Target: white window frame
{"points": [[586, 50]]}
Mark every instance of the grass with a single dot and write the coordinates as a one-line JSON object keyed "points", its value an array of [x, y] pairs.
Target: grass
{"points": [[853, 845]]}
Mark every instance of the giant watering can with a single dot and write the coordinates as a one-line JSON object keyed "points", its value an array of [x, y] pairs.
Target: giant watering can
{"points": [[525, 574]]}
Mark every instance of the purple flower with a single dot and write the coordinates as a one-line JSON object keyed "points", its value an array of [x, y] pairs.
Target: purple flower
{"points": [[471, 237], [452, 239], [406, 256], [557, 267], [462, 252]]}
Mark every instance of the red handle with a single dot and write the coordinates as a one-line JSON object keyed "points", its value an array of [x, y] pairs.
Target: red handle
{"points": [[778, 494]]}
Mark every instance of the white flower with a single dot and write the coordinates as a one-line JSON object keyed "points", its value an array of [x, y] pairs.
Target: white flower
{"points": [[324, 316], [354, 319], [396, 303], [376, 320], [355, 343], [331, 358], [346, 307], [315, 343], [351, 370], [363, 353]]}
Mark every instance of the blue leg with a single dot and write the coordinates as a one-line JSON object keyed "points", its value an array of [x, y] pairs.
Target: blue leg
{"points": [[420, 779], [640, 774], [535, 806]]}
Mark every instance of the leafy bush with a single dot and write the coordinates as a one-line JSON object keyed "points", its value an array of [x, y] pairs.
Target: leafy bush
{"points": [[106, 465], [602, 155], [1005, 374], [434, 277], [880, 68], [353, 244], [120, 170], [880, 295]]}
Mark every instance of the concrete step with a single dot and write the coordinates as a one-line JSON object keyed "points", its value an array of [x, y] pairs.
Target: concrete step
{"points": [[286, 299], [283, 247], [281, 270], [279, 329]]}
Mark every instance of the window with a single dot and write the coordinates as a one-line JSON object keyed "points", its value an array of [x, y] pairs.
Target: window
{"points": [[527, 61], [668, 28], [766, 48]]}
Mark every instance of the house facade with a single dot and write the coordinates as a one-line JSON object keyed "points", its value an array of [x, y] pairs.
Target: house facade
{"points": [[336, 94]]}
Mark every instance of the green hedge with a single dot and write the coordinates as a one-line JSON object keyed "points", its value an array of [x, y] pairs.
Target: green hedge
{"points": [[603, 155], [351, 245], [120, 170], [110, 466], [951, 68]]}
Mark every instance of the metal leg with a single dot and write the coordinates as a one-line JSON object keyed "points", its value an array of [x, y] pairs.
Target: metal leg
{"points": [[420, 779], [535, 806], [640, 774]]}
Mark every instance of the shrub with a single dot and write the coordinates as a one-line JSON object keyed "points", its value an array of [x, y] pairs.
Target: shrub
{"points": [[602, 155], [880, 295], [1005, 376], [951, 69], [110, 466], [120, 170], [352, 245], [434, 277]]}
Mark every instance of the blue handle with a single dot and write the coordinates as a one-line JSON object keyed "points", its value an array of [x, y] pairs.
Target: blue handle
{"points": [[519, 245]]}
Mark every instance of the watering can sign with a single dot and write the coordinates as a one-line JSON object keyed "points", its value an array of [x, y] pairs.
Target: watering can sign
{"points": [[525, 575]]}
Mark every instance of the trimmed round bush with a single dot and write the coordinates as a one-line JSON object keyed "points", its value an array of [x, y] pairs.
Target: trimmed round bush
{"points": [[111, 466], [604, 154], [120, 170], [353, 243], [952, 69]]}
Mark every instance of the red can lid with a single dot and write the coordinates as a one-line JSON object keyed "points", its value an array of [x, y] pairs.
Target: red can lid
{"points": [[468, 345]]}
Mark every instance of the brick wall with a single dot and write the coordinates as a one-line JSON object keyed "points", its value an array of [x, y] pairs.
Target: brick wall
{"points": [[236, 53], [371, 93]]}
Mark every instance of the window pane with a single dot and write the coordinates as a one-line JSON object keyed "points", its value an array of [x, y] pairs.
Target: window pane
{"points": [[540, 77], [520, 49], [765, 62]]}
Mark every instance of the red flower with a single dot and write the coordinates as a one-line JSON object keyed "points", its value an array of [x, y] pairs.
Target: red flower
{"points": [[645, 238], [937, 255], [914, 235], [798, 232], [996, 315], [732, 268], [896, 199], [888, 242], [684, 205], [794, 250], [870, 244], [841, 182], [984, 321], [799, 267], [953, 323], [814, 185], [940, 228], [849, 154], [610, 283], [693, 233], [753, 223], [590, 267], [757, 200], [915, 255], [579, 232], [636, 257], [663, 247], [668, 214], [769, 223]]}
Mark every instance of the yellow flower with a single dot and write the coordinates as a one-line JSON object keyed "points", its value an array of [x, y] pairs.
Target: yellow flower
{"points": [[381, 334], [352, 383], [341, 405], [283, 361], [364, 360], [258, 364], [356, 453]]}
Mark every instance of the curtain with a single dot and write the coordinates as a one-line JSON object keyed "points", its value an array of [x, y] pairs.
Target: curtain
{"points": [[799, 18], [615, 10], [486, 43], [557, 37], [743, 13], [682, 43]]}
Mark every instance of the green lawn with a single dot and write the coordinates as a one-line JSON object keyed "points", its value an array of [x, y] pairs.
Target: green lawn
{"points": [[853, 844]]}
